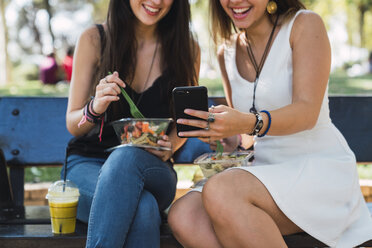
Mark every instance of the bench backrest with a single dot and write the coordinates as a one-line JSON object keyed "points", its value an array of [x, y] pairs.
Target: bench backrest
{"points": [[33, 129]]}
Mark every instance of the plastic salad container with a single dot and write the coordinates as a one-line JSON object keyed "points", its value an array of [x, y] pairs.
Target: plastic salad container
{"points": [[141, 132], [211, 163]]}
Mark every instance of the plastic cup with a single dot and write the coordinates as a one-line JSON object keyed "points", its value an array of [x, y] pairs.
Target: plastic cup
{"points": [[63, 197]]}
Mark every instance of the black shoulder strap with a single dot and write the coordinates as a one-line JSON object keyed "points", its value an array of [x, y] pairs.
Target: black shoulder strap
{"points": [[102, 36]]}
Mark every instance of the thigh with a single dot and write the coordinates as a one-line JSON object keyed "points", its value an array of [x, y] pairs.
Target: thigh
{"points": [[242, 184], [161, 181], [157, 177]]}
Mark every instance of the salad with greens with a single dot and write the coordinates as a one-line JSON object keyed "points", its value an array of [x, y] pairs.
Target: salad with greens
{"points": [[213, 163], [144, 132]]}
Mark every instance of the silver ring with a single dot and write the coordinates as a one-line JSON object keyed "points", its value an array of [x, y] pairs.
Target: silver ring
{"points": [[210, 118], [207, 127]]}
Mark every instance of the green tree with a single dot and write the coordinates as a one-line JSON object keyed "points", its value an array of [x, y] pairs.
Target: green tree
{"points": [[362, 7], [4, 58]]}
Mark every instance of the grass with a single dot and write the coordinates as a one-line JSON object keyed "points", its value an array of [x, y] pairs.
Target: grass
{"points": [[339, 83], [42, 174], [365, 171], [34, 88]]}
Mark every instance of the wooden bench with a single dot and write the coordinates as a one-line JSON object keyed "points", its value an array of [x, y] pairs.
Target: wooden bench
{"points": [[33, 133]]}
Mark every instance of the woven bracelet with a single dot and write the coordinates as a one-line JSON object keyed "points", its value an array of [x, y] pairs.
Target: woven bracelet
{"points": [[268, 125]]}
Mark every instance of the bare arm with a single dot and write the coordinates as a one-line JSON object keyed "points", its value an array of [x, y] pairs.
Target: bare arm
{"points": [[311, 67], [86, 57], [311, 56]]}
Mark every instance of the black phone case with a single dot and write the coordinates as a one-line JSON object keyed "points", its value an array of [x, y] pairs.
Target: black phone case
{"points": [[192, 97]]}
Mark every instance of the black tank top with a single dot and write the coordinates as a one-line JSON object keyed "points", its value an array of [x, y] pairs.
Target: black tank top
{"points": [[155, 102]]}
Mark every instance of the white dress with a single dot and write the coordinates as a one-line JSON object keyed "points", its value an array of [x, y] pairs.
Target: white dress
{"points": [[311, 175]]}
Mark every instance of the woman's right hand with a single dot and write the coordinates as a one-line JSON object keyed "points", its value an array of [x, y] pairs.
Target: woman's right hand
{"points": [[107, 91]]}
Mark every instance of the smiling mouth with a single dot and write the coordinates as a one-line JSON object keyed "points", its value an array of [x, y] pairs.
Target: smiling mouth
{"points": [[240, 11], [151, 9]]}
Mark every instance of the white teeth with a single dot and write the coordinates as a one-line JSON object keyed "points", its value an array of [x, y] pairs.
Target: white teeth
{"points": [[151, 9], [240, 10]]}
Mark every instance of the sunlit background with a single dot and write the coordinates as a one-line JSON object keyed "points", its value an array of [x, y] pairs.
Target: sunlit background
{"points": [[30, 29]]}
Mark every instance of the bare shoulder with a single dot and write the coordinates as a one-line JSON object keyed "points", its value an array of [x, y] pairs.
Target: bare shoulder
{"points": [[90, 38], [196, 48], [307, 23], [221, 52]]}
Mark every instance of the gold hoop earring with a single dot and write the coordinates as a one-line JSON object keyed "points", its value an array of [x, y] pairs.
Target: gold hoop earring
{"points": [[271, 7]]}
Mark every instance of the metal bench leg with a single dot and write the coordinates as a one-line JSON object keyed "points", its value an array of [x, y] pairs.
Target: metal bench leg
{"points": [[6, 195], [17, 180]]}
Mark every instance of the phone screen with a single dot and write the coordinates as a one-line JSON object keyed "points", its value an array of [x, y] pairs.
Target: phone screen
{"points": [[192, 97]]}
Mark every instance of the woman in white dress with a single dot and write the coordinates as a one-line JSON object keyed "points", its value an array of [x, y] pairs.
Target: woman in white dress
{"points": [[275, 71]]}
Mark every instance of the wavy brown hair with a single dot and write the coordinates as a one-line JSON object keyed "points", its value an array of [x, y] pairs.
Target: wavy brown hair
{"points": [[222, 27], [120, 47]]}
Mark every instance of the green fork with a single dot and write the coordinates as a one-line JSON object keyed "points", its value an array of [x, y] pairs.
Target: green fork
{"points": [[219, 149], [134, 111]]}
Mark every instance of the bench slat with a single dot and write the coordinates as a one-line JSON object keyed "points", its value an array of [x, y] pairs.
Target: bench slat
{"points": [[33, 130]]}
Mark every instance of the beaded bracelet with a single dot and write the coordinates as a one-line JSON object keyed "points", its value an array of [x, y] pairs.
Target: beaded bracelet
{"points": [[92, 117], [268, 124]]}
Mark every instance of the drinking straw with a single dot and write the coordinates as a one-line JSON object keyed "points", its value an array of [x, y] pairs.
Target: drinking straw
{"points": [[65, 172]]}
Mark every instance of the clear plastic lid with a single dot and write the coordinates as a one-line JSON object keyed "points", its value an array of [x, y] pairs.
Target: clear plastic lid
{"points": [[63, 189], [226, 158]]}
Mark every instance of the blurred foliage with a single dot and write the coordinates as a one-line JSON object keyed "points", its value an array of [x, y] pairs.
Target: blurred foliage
{"points": [[339, 83], [42, 174], [365, 171]]}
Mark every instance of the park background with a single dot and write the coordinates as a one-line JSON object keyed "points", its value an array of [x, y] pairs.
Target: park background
{"points": [[30, 29]]}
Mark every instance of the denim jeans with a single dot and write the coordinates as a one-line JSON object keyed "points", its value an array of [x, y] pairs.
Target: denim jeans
{"points": [[121, 197]]}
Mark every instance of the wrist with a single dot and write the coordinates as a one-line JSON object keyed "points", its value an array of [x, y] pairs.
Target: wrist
{"points": [[258, 124]]}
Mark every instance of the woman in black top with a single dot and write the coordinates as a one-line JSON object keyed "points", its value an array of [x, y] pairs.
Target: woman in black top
{"points": [[148, 46]]}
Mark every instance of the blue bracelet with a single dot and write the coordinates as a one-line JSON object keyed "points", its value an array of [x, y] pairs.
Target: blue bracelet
{"points": [[268, 125]]}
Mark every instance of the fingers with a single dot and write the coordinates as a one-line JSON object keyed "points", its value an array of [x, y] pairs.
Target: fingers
{"points": [[165, 142], [163, 155], [195, 123], [197, 113], [114, 78], [107, 91], [217, 109]]}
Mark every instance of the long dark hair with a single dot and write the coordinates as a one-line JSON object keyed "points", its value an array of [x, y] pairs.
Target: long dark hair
{"points": [[222, 26], [177, 42]]}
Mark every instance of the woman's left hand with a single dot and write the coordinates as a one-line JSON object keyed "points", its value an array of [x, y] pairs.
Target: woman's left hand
{"points": [[164, 155]]}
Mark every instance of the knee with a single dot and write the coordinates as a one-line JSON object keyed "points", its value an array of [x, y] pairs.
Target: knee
{"points": [[218, 194], [121, 162], [180, 219], [147, 216]]}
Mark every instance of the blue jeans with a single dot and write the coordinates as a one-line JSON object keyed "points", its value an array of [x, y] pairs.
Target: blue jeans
{"points": [[121, 197]]}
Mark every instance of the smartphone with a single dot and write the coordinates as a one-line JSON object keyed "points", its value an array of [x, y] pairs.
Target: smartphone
{"points": [[191, 97]]}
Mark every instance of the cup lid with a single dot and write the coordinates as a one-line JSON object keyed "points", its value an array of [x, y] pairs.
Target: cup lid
{"points": [[63, 189]]}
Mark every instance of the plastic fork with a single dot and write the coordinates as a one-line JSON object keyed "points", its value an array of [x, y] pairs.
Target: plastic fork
{"points": [[134, 111], [219, 149]]}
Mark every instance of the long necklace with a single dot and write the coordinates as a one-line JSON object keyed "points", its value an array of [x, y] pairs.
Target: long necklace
{"points": [[148, 75], [258, 68]]}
